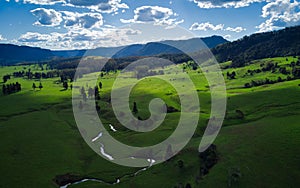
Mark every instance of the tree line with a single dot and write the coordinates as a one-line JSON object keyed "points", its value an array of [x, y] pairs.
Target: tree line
{"points": [[11, 88], [273, 67]]}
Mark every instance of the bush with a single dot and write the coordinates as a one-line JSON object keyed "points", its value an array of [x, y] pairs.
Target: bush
{"points": [[234, 174]]}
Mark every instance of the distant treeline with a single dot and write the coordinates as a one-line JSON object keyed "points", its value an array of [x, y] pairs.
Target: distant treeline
{"points": [[11, 88], [292, 74], [64, 75], [95, 64]]}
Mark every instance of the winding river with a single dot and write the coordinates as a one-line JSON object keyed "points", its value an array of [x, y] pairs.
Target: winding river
{"points": [[151, 162]]}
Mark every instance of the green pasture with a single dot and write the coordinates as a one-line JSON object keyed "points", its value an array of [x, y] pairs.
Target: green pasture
{"points": [[40, 140]]}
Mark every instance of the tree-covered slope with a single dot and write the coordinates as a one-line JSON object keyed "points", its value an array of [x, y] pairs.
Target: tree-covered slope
{"points": [[284, 42]]}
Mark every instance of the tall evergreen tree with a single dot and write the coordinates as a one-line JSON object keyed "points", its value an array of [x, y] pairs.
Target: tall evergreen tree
{"points": [[97, 94], [40, 86], [65, 85], [134, 109], [33, 86]]}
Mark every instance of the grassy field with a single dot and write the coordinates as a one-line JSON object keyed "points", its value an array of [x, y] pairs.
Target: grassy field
{"points": [[40, 140]]}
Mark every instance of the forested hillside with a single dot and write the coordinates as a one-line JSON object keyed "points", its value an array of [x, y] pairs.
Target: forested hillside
{"points": [[284, 42]]}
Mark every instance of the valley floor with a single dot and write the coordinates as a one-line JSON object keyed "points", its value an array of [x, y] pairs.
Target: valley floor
{"points": [[40, 140]]}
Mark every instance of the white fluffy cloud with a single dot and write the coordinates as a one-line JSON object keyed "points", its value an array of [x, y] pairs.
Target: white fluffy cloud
{"points": [[78, 39], [43, 2], [47, 17], [156, 14], [76, 20], [2, 38], [33, 37], [225, 3], [105, 6], [207, 26], [72, 20], [280, 14], [235, 29], [227, 37]]}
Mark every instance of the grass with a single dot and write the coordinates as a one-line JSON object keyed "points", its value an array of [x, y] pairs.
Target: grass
{"points": [[39, 137]]}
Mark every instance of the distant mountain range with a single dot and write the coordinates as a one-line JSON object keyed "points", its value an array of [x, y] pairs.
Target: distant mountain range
{"points": [[170, 47], [12, 54], [285, 42]]}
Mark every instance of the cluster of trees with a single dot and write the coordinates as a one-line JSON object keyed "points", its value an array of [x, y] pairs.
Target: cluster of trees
{"points": [[191, 64], [66, 85], [254, 83], [35, 75], [208, 159], [143, 71], [292, 75], [231, 75], [67, 74], [5, 78], [274, 67], [296, 72], [89, 65], [11, 88], [64, 63], [270, 66], [40, 86], [91, 92], [260, 45]]}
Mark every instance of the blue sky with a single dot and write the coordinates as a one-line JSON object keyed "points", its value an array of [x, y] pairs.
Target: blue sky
{"points": [[81, 24]]}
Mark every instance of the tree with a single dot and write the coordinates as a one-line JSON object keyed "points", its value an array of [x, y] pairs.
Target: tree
{"points": [[40, 86], [97, 107], [231, 75], [240, 114], [180, 164], [82, 91], [18, 86], [84, 97], [4, 89], [65, 85], [33, 86], [97, 94], [247, 85], [100, 85], [134, 109], [5, 78], [80, 105], [90, 92], [296, 72], [234, 174]]}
